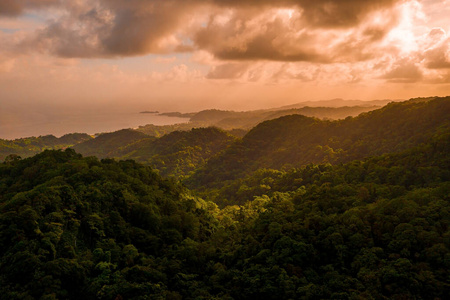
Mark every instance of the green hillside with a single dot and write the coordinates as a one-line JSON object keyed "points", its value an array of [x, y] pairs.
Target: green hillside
{"points": [[181, 152], [26, 147], [108, 144], [80, 228], [298, 140], [245, 120], [299, 208]]}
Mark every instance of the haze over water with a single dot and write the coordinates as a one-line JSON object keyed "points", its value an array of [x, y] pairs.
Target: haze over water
{"points": [[39, 124]]}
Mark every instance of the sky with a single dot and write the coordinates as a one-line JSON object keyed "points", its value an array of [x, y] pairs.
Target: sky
{"points": [[187, 55]]}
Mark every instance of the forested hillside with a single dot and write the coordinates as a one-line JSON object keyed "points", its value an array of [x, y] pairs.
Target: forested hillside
{"points": [[181, 152], [298, 140], [27, 147], [245, 120], [109, 144], [80, 228], [178, 153], [299, 208]]}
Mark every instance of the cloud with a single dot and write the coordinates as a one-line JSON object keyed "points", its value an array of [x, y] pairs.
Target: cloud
{"points": [[289, 71], [78, 34], [276, 34], [403, 72], [227, 71], [142, 27], [10, 8], [267, 36], [114, 28], [325, 13], [6, 64], [285, 30], [437, 56], [266, 41], [17, 7], [319, 13]]}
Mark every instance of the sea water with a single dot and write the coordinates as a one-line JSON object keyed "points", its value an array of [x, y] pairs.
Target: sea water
{"points": [[13, 127]]}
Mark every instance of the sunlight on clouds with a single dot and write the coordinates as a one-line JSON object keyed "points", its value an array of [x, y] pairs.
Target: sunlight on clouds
{"points": [[171, 48], [287, 13], [403, 36]]}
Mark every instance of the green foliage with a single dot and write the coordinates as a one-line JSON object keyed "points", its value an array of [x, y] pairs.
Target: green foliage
{"points": [[236, 122], [160, 130], [332, 227], [295, 140], [109, 144], [181, 152], [27, 147], [73, 227]]}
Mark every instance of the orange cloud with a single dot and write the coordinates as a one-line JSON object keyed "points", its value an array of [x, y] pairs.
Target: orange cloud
{"points": [[17, 7], [437, 56], [230, 47], [286, 30]]}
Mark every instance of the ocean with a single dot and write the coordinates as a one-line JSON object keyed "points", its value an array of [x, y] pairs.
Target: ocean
{"points": [[16, 126]]}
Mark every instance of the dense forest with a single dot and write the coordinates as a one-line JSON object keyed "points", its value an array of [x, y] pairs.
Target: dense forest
{"points": [[299, 208], [26, 147], [296, 140], [177, 154]]}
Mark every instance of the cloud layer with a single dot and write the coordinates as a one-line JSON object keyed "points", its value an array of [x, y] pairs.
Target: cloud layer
{"points": [[286, 30], [349, 42]]}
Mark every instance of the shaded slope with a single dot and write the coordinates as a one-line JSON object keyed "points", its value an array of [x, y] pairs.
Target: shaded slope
{"points": [[180, 152], [250, 119], [107, 144], [297, 140]]}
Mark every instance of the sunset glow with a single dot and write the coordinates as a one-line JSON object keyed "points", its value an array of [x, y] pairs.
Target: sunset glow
{"points": [[190, 55]]}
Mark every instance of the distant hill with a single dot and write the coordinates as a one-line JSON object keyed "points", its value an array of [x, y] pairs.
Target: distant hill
{"points": [[178, 153], [160, 130], [181, 152], [234, 122], [250, 119], [297, 140], [26, 147], [229, 120], [107, 144], [338, 102]]}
